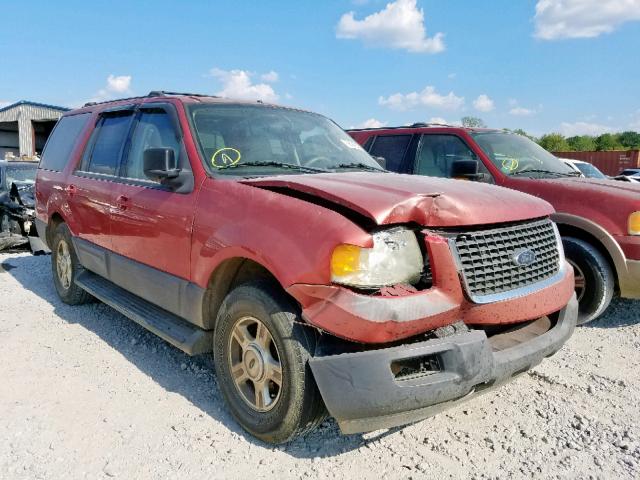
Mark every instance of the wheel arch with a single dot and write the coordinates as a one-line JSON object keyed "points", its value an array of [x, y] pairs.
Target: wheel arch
{"points": [[227, 275], [594, 234], [55, 219]]}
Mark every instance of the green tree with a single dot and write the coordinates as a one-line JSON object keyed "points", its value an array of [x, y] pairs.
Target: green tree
{"points": [[630, 140], [554, 142], [520, 131], [607, 141], [582, 143], [473, 122]]}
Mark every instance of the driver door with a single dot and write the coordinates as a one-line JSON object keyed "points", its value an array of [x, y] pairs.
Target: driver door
{"points": [[151, 223]]}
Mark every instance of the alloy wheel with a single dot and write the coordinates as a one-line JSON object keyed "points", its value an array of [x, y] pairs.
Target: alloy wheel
{"points": [[254, 363]]}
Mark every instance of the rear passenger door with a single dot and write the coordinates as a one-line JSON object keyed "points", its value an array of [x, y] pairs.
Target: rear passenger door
{"points": [[151, 223], [91, 188]]}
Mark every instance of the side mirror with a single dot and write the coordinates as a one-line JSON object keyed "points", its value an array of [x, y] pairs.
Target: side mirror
{"points": [[160, 163], [466, 169], [381, 161]]}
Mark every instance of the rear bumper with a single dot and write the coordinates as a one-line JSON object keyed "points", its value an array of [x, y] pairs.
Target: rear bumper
{"points": [[361, 392]]}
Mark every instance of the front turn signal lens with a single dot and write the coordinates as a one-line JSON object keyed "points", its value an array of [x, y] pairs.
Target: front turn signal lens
{"points": [[634, 223], [345, 260]]}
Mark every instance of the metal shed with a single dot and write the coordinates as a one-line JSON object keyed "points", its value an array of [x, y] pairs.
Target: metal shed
{"points": [[25, 127]]}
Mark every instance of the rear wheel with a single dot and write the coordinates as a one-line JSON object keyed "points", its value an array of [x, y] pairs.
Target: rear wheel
{"points": [[261, 352], [594, 281], [66, 268]]}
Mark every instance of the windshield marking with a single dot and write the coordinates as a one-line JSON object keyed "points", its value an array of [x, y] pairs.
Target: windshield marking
{"points": [[225, 157]]}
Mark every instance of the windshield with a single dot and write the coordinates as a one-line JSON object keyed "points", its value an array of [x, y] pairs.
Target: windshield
{"points": [[517, 155], [590, 171], [259, 140], [20, 173]]}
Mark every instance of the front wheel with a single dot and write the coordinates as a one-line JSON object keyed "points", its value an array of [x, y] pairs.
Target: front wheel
{"points": [[593, 276], [261, 352]]}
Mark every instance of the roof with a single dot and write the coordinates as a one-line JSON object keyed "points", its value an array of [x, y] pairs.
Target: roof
{"points": [[34, 104], [4, 163]]}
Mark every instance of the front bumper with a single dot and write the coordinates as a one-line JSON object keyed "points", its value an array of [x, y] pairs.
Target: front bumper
{"points": [[629, 279], [362, 393]]}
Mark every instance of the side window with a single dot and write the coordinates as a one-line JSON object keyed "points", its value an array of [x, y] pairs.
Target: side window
{"points": [[392, 148], [438, 152], [154, 129], [62, 141], [105, 147]]}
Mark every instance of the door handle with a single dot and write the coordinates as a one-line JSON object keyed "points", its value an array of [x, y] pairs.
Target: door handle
{"points": [[121, 202], [71, 189]]}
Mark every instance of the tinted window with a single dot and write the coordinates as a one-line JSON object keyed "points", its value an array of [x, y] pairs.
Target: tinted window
{"points": [[438, 152], [63, 139], [392, 148], [154, 129], [106, 145]]}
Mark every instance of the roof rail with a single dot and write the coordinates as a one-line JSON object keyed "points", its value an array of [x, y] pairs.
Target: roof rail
{"points": [[164, 93], [151, 94], [414, 125]]}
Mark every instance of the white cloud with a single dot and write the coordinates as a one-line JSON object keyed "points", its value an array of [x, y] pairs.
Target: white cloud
{"points": [[372, 123], [238, 84], [557, 19], [438, 120], [428, 97], [399, 25], [117, 86], [583, 128], [483, 103], [4, 103], [522, 112], [270, 77]]}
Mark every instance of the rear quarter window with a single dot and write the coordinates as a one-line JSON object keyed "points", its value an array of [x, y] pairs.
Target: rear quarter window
{"points": [[62, 141], [393, 148]]}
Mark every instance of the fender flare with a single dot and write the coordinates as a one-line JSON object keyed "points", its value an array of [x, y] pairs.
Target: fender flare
{"points": [[609, 243]]}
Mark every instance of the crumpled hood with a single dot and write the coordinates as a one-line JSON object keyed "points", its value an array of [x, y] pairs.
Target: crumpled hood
{"points": [[390, 198]]}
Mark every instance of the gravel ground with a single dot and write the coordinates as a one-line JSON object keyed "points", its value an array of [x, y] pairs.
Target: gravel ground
{"points": [[85, 392]]}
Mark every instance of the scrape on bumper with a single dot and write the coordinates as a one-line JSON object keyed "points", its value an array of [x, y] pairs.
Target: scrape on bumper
{"points": [[363, 394]]}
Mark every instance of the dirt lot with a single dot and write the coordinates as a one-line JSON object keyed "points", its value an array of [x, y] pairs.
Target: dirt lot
{"points": [[84, 392]]}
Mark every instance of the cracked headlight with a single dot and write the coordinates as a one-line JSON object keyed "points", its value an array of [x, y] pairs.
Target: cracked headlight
{"points": [[395, 258]]}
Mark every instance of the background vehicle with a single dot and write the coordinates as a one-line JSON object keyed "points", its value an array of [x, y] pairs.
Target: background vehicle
{"points": [[17, 205], [599, 219], [268, 236], [584, 168]]}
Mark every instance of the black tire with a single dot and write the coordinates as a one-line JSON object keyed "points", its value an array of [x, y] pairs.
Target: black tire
{"points": [[599, 282], [68, 291], [298, 408]]}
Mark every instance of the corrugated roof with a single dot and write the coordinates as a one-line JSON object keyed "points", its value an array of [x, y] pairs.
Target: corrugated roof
{"points": [[34, 104]]}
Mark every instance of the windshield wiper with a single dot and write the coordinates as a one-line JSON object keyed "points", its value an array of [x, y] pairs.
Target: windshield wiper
{"points": [[272, 164], [549, 172], [361, 166]]}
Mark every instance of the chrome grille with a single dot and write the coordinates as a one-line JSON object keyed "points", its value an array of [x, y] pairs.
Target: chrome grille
{"points": [[487, 257]]}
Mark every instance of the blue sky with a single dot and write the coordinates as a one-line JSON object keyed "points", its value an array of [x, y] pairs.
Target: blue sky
{"points": [[541, 65]]}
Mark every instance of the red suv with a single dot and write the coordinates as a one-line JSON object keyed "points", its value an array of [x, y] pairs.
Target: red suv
{"points": [[599, 220], [267, 236]]}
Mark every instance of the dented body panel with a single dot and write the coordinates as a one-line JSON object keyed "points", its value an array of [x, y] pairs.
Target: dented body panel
{"points": [[435, 202]]}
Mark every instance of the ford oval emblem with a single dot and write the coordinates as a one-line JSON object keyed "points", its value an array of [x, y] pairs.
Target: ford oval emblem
{"points": [[523, 258]]}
